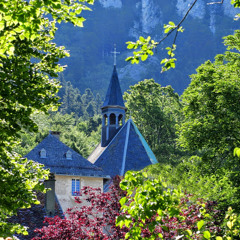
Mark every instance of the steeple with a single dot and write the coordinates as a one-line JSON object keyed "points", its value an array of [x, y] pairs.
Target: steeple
{"points": [[114, 93], [113, 110]]}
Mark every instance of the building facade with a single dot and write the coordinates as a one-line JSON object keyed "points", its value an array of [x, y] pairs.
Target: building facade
{"points": [[71, 171]]}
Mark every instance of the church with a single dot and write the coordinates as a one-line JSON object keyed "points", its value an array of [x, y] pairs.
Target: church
{"points": [[122, 148]]}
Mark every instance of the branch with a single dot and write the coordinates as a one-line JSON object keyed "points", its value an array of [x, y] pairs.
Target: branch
{"points": [[167, 61], [215, 2], [179, 24]]}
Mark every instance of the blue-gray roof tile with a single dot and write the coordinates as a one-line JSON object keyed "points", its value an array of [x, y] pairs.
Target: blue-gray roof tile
{"points": [[127, 151], [114, 93], [57, 162]]}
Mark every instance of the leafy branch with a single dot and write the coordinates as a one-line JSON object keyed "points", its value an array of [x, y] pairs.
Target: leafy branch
{"points": [[146, 46]]}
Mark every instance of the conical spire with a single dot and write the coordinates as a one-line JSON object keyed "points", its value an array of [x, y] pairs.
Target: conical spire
{"points": [[114, 93], [113, 110]]}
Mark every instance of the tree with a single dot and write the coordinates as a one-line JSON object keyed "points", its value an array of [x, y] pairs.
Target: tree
{"points": [[187, 176], [156, 110], [211, 125], [70, 97], [71, 101], [87, 97], [91, 109], [28, 64], [99, 103]]}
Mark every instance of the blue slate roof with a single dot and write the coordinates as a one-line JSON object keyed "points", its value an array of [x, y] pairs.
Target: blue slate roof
{"points": [[114, 93], [57, 162], [128, 150]]}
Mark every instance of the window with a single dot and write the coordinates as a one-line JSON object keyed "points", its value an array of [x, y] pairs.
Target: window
{"points": [[43, 153], [69, 155], [112, 119], [75, 187], [120, 120]]}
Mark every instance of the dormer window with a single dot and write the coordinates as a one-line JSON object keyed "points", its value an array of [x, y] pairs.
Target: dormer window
{"points": [[43, 153], [69, 155]]}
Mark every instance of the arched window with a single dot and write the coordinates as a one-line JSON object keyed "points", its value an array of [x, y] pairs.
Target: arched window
{"points": [[120, 120], [112, 119], [69, 155], [43, 153]]}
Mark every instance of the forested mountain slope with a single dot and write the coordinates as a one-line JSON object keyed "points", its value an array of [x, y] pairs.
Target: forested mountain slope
{"points": [[118, 21]]}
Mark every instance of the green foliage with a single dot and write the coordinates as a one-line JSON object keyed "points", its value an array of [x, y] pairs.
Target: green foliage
{"points": [[146, 198], [19, 181], [211, 123], [236, 152], [71, 100], [28, 64], [168, 27], [146, 48], [231, 225], [154, 209], [187, 176], [85, 106], [236, 3], [156, 110], [210, 128]]}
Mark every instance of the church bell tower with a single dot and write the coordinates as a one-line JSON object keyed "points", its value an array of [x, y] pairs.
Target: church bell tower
{"points": [[113, 109]]}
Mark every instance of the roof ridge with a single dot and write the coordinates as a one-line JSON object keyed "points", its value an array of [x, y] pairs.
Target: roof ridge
{"points": [[121, 153], [125, 149], [118, 133], [145, 144]]}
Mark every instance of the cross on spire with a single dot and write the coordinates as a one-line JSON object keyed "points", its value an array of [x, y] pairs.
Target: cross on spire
{"points": [[115, 55]]}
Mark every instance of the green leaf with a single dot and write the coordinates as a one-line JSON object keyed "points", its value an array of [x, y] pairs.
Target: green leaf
{"points": [[2, 25], [200, 224], [127, 235], [230, 224], [236, 152], [180, 29], [130, 45], [189, 232], [11, 50], [207, 234], [129, 59], [123, 201], [142, 39], [144, 57]]}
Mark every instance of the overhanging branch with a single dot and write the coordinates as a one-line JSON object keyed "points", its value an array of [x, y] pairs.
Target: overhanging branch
{"points": [[215, 2], [179, 24]]}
